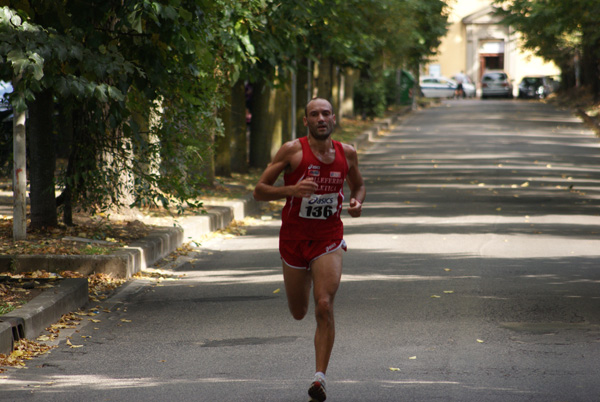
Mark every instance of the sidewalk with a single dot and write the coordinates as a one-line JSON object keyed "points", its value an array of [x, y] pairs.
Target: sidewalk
{"points": [[31, 319], [72, 294]]}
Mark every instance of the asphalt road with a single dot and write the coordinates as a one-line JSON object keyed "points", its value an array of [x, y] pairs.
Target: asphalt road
{"points": [[474, 275]]}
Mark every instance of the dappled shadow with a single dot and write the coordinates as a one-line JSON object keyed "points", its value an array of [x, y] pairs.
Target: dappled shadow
{"points": [[497, 289], [525, 228], [501, 159]]}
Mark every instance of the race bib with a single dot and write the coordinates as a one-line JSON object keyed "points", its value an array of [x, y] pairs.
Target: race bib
{"points": [[319, 206]]}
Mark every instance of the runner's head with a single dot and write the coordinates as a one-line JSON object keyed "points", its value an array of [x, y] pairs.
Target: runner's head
{"points": [[319, 118]]}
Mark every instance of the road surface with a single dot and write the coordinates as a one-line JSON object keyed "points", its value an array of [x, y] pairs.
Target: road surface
{"points": [[474, 275]]}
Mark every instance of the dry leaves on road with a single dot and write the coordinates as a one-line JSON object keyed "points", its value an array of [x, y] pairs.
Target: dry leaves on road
{"points": [[24, 350]]}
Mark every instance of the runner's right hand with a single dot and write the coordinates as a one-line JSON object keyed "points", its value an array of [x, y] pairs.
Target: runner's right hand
{"points": [[305, 188]]}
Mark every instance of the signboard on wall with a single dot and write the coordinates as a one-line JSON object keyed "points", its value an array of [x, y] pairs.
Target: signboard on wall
{"points": [[435, 70]]}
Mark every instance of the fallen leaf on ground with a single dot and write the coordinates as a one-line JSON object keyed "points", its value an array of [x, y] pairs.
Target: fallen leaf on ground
{"points": [[73, 346], [23, 350]]}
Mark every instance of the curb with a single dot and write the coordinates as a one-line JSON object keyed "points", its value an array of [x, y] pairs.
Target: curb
{"points": [[29, 321], [143, 252], [70, 294], [368, 137], [123, 263]]}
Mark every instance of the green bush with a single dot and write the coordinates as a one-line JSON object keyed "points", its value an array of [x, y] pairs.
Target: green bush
{"points": [[369, 98], [391, 87]]}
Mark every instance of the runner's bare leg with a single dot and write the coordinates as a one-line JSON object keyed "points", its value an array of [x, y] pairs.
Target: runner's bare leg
{"points": [[297, 288], [326, 274]]}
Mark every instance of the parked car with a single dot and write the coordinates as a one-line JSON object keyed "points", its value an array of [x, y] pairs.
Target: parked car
{"points": [[5, 89], [536, 87], [468, 86], [496, 83], [437, 87]]}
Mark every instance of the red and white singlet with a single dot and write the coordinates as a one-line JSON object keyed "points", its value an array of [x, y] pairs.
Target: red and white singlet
{"points": [[316, 217]]}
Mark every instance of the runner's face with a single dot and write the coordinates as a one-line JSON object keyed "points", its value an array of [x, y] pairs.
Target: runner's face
{"points": [[319, 119]]}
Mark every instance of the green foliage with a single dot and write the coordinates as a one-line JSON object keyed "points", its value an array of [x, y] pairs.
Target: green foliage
{"points": [[142, 80], [112, 61], [370, 98], [391, 87], [558, 30], [429, 25]]}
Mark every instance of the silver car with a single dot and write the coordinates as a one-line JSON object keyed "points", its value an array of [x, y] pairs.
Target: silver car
{"points": [[496, 83]]}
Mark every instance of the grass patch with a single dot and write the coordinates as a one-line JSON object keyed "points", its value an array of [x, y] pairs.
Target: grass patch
{"points": [[6, 308], [92, 249]]}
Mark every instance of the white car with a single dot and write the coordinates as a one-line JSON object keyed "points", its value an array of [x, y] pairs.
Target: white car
{"points": [[437, 87]]}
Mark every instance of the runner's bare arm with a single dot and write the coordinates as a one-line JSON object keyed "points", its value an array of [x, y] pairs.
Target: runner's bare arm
{"points": [[356, 183], [287, 159]]}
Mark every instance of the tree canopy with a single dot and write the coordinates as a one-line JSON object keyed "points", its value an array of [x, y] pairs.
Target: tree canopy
{"points": [[138, 84], [563, 31]]}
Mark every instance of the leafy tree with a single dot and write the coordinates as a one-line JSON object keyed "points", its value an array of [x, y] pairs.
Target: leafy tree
{"points": [[145, 89], [560, 31], [106, 62]]}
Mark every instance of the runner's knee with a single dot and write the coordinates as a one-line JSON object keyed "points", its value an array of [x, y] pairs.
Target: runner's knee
{"points": [[324, 308], [298, 313]]}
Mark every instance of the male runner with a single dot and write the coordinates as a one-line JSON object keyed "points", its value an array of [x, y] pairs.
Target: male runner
{"points": [[311, 237]]}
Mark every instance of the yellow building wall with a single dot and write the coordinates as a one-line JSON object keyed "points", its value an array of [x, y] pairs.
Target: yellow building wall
{"points": [[452, 58]]}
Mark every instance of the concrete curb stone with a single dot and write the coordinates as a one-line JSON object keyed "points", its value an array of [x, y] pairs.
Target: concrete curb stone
{"points": [[143, 252], [29, 321], [368, 136]]}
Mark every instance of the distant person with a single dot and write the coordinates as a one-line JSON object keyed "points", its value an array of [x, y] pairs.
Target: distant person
{"points": [[460, 78], [311, 236]]}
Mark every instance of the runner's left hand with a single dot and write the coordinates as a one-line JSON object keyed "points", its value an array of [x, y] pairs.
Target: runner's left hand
{"points": [[355, 208]]}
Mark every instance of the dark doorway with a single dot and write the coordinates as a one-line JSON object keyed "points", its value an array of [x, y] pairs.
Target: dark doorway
{"points": [[490, 61]]}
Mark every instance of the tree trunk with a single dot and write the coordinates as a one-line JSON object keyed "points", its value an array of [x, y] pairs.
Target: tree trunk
{"points": [[351, 77], [19, 175], [326, 79], [207, 166], [283, 120], [302, 97], [239, 127], [223, 141], [42, 162], [73, 183], [261, 126]]}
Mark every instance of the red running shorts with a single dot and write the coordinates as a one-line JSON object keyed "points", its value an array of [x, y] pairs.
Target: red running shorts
{"points": [[300, 254]]}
